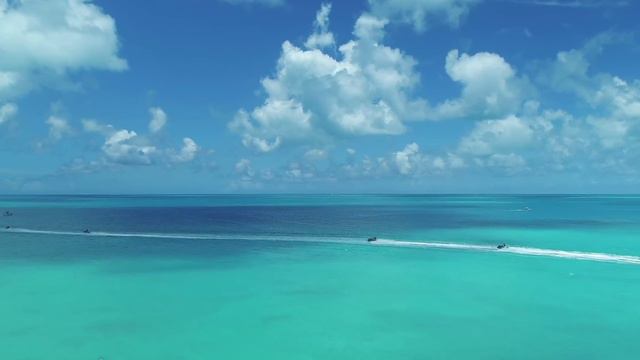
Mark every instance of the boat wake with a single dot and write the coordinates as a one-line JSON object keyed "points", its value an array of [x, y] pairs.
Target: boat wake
{"points": [[565, 254], [575, 255], [266, 237]]}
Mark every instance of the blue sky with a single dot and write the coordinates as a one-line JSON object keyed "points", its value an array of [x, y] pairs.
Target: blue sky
{"points": [[226, 96]]}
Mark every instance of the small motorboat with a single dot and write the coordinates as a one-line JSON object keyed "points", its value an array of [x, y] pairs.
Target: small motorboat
{"points": [[86, 231], [502, 246], [7, 213], [7, 227], [372, 239]]}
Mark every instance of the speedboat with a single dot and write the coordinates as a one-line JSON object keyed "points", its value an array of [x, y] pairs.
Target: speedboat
{"points": [[86, 231], [372, 239], [502, 246]]}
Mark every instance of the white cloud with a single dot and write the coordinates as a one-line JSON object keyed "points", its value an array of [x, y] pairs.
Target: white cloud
{"points": [[321, 37], [127, 148], [411, 161], [612, 133], [158, 119], [560, 138], [58, 128], [242, 124], [423, 13], [406, 158], [619, 97], [314, 96], [188, 152], [297, 172], [568, 73], [516, 135], [259, 144], [614, 103], [370, 28], [7, 111], [495, 136], [619, 105], [570, 70], [542, 141], [490, 87], [43, 40]]}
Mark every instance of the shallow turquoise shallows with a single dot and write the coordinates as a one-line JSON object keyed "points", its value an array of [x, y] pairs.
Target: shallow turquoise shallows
{"points": [[293, 277]]}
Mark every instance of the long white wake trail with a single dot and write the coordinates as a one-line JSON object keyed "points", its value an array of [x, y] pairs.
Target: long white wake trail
{"points": [[575, 255]]}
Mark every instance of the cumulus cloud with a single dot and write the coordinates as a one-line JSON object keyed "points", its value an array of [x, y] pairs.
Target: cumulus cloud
{"points": [[612, 133], [507, 143], [127, 147], [423, 13], [523, 136], [43, 40], [614, 103], [7, 112], [618, 105], [158, 119], [297, 172], [404, 159], [561, 138], [411, 161], [58, 128], [187, 153], [536, 140], [495, 136], [490, 86], [321, 37], [570, 70], [367, 168], [616, 108], [407, 163], [366, 90], [619, 97]]}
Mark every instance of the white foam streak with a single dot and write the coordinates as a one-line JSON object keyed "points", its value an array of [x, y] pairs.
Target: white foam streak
{"points": [[575, 255], [296, 238]]}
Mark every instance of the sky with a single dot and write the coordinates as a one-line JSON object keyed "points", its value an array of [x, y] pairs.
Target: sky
{"points": [[284, 96]]}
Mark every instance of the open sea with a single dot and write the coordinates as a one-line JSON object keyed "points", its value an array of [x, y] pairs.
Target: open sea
{"points": [[293, 277]]}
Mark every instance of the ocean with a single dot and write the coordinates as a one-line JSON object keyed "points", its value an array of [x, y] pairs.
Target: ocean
{"points": [[293, 277]]}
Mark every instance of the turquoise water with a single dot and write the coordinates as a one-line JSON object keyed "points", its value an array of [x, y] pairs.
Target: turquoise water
{"points": [[291, 277]]}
